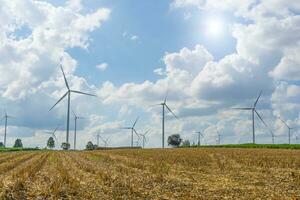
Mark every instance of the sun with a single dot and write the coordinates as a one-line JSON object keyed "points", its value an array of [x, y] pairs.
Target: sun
{"points": [[214, 27]]}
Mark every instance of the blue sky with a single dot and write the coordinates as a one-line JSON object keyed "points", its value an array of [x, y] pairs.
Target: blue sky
{"points": [[164, 30], [211, 56]]}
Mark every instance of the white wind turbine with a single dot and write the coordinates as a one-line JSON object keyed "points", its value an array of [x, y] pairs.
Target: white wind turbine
{"points": [[5, 118], [254, 111], [199, 137], [105, 141], [289, 128], [75, 128], [68, 93], [53, 134], [144, 137], [132, 128], [164, 105]]}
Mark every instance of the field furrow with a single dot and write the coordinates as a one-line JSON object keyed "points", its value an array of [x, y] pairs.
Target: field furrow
{"points": [[151, 174]]}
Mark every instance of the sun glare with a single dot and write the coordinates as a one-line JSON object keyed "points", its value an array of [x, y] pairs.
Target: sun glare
{"points": [[214, 27]]}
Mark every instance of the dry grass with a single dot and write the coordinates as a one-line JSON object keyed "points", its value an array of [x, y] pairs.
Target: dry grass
{"points": [[152, 174]]}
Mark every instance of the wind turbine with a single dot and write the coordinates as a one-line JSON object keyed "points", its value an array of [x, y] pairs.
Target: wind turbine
{"points": [[254, 111], [53, 133], [164, 105], [144, 137], [98, 137], [104, 141], [288, 128], [199, 137], [273, 136], [218, 137], [75, 129], [132, 130], [68, 93], [5, 117]]}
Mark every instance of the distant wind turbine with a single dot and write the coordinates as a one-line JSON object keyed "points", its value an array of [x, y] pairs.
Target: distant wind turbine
{"points": [[53, 133], [273, 136], [218, 137], [98, 137], [132, 128], [68, 93], [254, 111], [199, 137], [5, 117], [164, 105], [289, 134], [75, 128], [105, 141], [144, 137]]}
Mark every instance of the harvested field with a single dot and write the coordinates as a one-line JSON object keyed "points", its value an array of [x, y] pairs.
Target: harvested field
{"points": [[151, 174]]}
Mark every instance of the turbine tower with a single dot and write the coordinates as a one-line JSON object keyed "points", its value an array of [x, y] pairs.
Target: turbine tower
{"points": [[254, 111], [199, 137], [5, 117], [68, 93], [98, 137], [75, 128], [144, 137], [164, 105], [289, 134], [273, 136], [53, 133], [218, 137], [132, 128]]}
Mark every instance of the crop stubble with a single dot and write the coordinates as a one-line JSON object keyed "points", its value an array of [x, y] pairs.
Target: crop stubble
{"points": [[151, 174]]}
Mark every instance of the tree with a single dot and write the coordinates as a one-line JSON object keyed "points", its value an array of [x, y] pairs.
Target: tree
{"points": [[18, 143], [89, 146], [65, 146], [50, 143], [186, 143], [174, 140], [1, 145]]}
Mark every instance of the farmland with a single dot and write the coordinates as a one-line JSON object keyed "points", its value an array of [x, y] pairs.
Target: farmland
{"points": [[195, 173]]}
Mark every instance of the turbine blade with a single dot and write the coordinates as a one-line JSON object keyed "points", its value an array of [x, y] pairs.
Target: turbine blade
{"points": [[284, 123], [55, 138], [136, 133], [55, 129], [59, 100], [66, 82], [125, 128], [135, 122], [78, 92], [261, 118], [146, 132], [166, 95], [242, 108], [171, 111], [257, 99]]}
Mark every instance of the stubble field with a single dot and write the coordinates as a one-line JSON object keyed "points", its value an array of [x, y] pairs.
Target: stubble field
{"points": [[151, 174]]}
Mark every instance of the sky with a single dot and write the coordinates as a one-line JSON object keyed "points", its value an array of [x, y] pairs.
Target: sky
{"points": [[206, 56]]}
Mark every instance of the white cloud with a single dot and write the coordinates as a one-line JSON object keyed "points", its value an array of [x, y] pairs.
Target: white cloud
{"points": [[134, 37], [102, 66]]}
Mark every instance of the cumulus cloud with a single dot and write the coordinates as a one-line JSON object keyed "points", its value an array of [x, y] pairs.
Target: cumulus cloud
{"points": [[32, 60], [102, 66]]}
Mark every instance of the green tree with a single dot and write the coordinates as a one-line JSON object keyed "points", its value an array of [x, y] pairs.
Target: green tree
{"points": [[18, 143], [1, 145], [174, 140], [65, 146], [50, 143], [89, 146]]}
